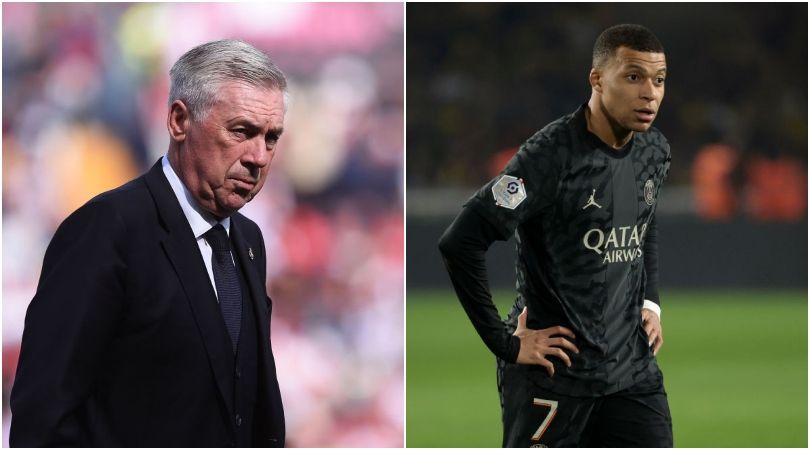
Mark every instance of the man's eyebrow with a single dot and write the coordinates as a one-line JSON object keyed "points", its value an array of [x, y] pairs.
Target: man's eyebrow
{"points": [[242, 120]]}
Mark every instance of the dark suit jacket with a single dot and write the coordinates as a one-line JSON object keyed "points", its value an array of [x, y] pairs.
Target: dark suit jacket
{"points": [[124, 343]]}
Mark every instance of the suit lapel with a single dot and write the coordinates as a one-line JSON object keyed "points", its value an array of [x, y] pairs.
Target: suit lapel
{"points": [[269, 409], [182, 250]]}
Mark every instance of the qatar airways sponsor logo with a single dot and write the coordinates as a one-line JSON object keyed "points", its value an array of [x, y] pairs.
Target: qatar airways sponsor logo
{"points": [[619, 244]]}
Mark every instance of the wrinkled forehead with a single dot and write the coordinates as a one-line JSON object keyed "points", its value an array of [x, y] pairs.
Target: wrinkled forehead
{"points": [[249, 99], [230, 91], [652, 62]]}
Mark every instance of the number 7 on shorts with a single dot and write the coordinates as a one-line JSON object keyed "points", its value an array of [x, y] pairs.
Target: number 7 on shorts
{"points": [[552, 404]]}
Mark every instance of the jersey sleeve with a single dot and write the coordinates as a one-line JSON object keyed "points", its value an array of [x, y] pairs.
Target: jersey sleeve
{"points": [[651, 291], [667, 160], [651, 263], [525, 187], [463, 247]]}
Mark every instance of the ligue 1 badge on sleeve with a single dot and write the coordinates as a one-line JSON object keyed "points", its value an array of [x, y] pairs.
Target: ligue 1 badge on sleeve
{"points": [[509, 192], [250, 253], [649, 192]]}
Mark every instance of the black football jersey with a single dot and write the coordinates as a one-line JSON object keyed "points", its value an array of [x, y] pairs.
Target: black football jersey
{"points": [[579, 211]]}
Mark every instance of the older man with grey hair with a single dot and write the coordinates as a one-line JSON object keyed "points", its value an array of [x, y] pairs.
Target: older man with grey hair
{"points": [[150, 326]]}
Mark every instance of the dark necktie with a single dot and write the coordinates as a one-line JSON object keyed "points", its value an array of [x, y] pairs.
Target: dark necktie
{"points": [[227, 281]]}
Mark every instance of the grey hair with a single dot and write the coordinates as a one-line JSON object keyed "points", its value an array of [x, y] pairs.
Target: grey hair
{"points": [[197, 75]]}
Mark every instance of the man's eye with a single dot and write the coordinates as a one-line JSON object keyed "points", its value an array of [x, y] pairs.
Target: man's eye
{"points": [[240, 131], [660, 80], [632, 77]]}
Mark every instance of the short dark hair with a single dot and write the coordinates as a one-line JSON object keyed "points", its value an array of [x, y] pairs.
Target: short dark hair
{"points": [[634, 37]]}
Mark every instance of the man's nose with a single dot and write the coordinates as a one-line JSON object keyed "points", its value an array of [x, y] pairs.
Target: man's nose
{"points": [[648, 91], [257, 154]]}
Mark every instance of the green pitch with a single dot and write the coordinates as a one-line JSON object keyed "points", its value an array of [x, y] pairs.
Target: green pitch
{"points": [[734, 363]]}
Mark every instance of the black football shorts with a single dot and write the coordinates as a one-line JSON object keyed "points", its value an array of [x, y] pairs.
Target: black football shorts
{"points": [[535, 417]]}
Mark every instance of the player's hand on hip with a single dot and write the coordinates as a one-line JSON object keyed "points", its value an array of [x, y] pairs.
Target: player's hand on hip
{"points": [[537, 345], [652, 326]]}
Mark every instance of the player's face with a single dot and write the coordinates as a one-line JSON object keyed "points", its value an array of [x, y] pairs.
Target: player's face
{"points": [[227, 155], [633, 88]]}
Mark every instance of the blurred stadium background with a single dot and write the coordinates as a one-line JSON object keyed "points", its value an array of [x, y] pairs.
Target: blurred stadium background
{"points": [[482, 78], [84, 108]]}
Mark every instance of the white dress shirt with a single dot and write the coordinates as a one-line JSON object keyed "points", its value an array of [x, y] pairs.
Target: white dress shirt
{"points": [[200, 220]]}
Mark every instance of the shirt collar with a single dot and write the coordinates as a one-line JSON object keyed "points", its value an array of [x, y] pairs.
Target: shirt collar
{"points": [[200, 220]]}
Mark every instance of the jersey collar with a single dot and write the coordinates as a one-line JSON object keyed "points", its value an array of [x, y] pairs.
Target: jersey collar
{"points": [[593, 141]]}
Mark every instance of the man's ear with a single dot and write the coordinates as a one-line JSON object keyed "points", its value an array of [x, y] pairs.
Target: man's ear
{"points": [[595, 78], [178, 121]]}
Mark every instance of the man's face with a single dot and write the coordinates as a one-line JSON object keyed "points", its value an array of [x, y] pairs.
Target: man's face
{"points": [[633, 88], [224, 159]]}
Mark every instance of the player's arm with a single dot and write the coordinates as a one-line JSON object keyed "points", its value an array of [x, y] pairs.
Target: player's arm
{"points": [[463, 247], [651, 311]]}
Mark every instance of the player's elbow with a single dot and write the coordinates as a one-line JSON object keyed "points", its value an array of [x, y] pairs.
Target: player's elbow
{"points": [[449, 244]]}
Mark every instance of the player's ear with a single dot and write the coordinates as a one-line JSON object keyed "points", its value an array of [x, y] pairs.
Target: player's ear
{"points": [[178, 121], [595, 78]]}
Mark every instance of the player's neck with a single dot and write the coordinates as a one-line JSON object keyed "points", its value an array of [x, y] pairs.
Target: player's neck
{"points": [[600, 124]]}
